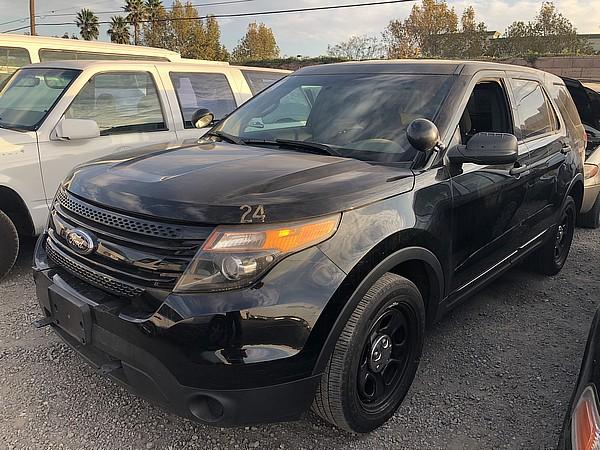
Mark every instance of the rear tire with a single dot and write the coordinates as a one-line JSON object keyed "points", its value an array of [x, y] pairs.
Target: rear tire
{"points": [[550, 259], [591, 219], [9, 244], [375, 358]]}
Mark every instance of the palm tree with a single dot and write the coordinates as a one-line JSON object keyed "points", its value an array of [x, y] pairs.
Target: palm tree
{"points": [[136, 12], [87, 22], [154, 9], [119, 30]]}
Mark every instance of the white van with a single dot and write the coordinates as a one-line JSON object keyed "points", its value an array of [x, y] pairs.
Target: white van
{"points": [[55, 116], [17, 50]]}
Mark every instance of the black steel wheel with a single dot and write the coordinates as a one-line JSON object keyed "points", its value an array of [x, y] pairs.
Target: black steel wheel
{"points": [[551, 258], [375, 358]]}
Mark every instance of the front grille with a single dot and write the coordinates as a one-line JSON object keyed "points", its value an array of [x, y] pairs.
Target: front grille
{"points": [[97, 279], [116, 220], [132, 255]]}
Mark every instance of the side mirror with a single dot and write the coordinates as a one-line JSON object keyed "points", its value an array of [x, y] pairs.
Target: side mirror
{"points": [[202, 118], [486, 149], [72, 129], [423, 135]]}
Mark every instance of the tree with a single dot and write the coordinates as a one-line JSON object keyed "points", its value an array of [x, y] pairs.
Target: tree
{"points": [[87, 22], [549, 33], [119, 30], [186, 30], [213, 49], [424, 32], [136, 13], [257, 44], [357, 48], [156, 29]]}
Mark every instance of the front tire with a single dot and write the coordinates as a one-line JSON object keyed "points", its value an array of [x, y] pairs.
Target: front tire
{"points": [[9, 244], [550, 259], [375, 358], [591, 219]]}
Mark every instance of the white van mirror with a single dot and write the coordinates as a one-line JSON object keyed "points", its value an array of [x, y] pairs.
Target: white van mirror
{"points": [[72, 129]]}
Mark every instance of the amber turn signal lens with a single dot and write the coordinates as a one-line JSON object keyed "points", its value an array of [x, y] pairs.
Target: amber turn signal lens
{"points": [[585, 422]]}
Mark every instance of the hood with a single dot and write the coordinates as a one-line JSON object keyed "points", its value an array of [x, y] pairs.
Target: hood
{"points": [[13, 141], [215, 183]]}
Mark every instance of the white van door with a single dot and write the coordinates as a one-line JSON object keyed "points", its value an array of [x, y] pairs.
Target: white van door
{"points": [[129, 111], [195, 90]]}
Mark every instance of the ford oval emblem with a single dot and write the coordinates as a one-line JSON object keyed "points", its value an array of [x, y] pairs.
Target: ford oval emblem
{"points": [[81, 241]]}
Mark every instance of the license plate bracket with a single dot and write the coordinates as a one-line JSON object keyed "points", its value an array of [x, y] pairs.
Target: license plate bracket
{"points": [[71, 315]]}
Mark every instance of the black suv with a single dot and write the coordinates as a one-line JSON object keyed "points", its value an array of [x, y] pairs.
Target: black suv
{"points": [[294, 256]]}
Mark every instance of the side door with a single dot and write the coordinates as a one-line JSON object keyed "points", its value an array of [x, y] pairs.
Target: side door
{"points": [[195, 90], [541, 132], [130, 112], [489, 202]]}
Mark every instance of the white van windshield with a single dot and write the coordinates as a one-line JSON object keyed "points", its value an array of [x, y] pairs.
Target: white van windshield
{"points": [[30, 95]]}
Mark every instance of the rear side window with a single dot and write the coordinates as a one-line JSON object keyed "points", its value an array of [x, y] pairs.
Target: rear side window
{"points": [[259, 80], [119, 102], [566, 106], [203, 90], [534, 112], [47, 54], [12, 58]]}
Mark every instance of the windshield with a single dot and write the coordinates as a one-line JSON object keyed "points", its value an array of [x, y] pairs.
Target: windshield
{"points": [[30, 95], [362, 116]]}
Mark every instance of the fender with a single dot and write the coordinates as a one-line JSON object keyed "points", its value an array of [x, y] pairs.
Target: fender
{"points": [[577, 178], [435, 272]]}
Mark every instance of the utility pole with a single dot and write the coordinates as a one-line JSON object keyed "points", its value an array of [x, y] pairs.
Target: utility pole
{"points": [[32, 17]]}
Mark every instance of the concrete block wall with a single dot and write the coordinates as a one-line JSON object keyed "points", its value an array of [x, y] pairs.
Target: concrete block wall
{"points": [[580, 67]]}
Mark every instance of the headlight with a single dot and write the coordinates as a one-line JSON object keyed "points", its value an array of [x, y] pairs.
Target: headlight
{"points": [[235, 256]]}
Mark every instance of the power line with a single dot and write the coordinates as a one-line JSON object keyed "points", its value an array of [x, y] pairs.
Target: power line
{"points": [[52, 13], [258, 13]]}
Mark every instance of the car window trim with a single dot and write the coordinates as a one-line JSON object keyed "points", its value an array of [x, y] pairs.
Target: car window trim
{"points": [[160, 101], [223, 74]]}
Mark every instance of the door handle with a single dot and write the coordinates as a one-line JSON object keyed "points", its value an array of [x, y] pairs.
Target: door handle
{"points": [[565, 149], [518, 171]]}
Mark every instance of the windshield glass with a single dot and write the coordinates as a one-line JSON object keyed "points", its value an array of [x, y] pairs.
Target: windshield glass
{"points": [[30, 95], [362, 116]]}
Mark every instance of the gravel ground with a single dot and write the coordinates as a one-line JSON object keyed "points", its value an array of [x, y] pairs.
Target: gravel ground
{"points": [[496, 373]]}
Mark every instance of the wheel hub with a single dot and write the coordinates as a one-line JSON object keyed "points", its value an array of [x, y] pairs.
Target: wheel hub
{"points": [[381, 353], [560, 234]]}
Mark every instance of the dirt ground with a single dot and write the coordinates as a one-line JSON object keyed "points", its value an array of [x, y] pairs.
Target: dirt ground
{"points": [[496, 373]]}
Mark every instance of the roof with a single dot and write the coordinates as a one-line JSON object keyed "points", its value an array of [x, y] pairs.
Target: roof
{"points": [[98, 46], [416, 66], [99, 64]]}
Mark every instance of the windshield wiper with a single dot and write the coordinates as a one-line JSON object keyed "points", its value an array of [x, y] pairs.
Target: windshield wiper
{"points": [[226, 137], [310, 147]]}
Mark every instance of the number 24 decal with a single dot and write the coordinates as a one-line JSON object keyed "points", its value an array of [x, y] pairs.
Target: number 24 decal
{"points": [[248, 216]]}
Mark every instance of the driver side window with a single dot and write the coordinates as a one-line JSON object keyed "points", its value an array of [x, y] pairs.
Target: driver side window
{"points": [[486, 111]]}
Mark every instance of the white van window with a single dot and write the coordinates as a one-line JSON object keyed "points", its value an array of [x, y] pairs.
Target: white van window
{"points": [[12, 58], [47, 54], [203, 90], [259, 80], [119, 102], [30, 95]]}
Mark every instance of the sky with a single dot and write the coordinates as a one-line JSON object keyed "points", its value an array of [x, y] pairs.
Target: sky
{"points": [[307, 33]]}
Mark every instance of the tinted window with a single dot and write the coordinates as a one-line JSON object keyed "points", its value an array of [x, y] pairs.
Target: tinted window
{"points": [[12, 58], [203, 90], [533, 108], [362, 116], [260, 80], [62, 55], [486, 111], [31, 94], [119, 102]]}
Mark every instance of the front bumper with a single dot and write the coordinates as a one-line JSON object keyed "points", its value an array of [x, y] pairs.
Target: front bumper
{"points": [[226, 368]]}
